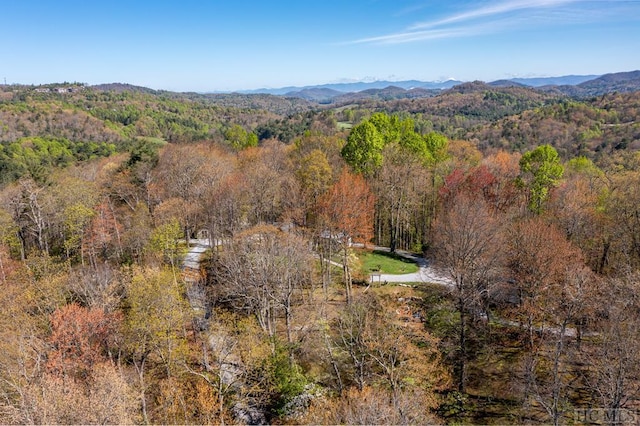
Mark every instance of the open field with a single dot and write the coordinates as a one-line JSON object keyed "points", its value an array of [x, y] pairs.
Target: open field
{"points": [[386, 263]]}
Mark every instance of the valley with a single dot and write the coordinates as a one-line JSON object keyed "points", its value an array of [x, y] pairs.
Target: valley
{"points": [[463, 254]]}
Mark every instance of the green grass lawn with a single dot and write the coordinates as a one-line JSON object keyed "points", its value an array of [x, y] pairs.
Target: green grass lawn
{"points": [[385, 263]]}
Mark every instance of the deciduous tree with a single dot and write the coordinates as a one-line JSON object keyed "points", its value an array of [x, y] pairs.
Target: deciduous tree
{"points": [[263, 271], [612, 372], [347, 212], [80, 339], [541, 170], [154, 325], [467, 242], [363, 150]]}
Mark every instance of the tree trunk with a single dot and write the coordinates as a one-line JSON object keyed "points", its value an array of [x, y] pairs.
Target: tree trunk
{"points": [[140, 368], [462, 360], [555, 402], [287, 317], [347, 273], [392, 235], [605, 256]]}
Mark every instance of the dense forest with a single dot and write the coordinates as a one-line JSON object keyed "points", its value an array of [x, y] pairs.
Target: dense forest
{"points": [[526, 201]]}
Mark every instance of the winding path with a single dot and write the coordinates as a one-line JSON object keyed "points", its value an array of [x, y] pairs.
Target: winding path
{"points": [[196, 250], [425, 274]]}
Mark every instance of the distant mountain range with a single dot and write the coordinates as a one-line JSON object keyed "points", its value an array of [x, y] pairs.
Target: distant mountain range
{"points": [[569, 80], [622, 82], [335, 89], [576, 86], [358, 86]]}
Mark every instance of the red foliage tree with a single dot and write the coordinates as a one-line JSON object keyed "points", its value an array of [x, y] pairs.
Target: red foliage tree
{"points": [[347, 210], [79, 339], [478, 181]]}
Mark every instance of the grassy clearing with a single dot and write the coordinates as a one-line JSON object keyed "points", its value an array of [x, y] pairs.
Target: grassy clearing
{"points": [[385, 263]]}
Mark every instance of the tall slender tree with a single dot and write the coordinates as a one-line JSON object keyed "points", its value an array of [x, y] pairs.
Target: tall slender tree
{"points": [[347, 212], [467, 242]]}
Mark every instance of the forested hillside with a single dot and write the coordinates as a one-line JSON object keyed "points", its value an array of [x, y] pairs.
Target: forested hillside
{"points": [[524, 203]]}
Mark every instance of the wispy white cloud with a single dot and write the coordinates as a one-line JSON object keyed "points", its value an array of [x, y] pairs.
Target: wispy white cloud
{"points": [[495, 17], [493, 10], [409, 36], [411, 9]]}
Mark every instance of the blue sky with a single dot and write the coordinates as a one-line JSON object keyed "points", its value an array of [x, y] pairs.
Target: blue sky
{"points": [[190, 45]]}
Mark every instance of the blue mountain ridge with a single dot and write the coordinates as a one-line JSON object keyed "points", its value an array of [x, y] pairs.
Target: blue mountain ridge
{"points": [[412, 84]]}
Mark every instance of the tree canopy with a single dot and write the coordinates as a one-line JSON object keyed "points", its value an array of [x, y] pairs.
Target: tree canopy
{"points": [[367, 140], [541, 171]]}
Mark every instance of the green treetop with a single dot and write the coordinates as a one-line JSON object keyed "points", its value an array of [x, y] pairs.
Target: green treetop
{"points": [[540, 171], [365, 144]]}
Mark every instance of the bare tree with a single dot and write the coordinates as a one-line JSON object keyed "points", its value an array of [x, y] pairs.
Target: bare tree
{"points": [[263, 272], [613, 373], [548, 371], [466, 244]]}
